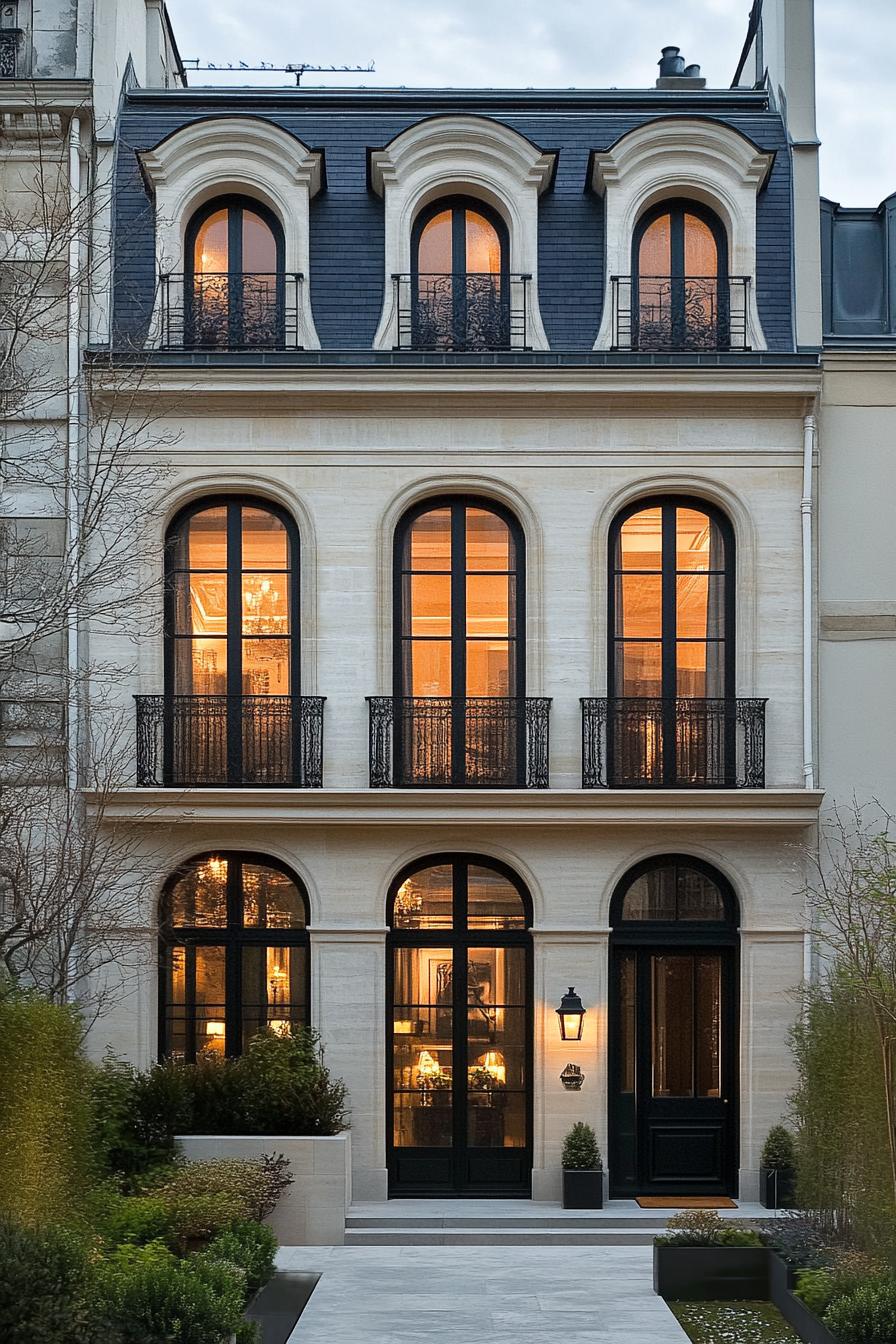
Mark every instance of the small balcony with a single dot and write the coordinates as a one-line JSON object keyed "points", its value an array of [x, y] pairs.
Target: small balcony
{"points": [[444, 742], [461, 312], [230, 312], [665, 743], [230, 741], [659, 313]]}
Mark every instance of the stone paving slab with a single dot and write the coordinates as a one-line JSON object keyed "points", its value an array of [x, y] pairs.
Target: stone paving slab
{"points": [[481, 1295]]}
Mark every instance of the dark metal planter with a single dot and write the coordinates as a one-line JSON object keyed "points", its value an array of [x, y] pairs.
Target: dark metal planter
{"points": [[583, 1189], [711, 1273], [278, 1305], [777, 1189], [806, 1324]]}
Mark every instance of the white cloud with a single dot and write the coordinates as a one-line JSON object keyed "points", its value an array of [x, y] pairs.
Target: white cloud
{"points": [[581, 43]]}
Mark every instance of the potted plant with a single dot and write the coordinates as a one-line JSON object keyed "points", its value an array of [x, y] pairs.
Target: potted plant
{"points": [[777, 1170], [583, 1169], [705, 1258]]}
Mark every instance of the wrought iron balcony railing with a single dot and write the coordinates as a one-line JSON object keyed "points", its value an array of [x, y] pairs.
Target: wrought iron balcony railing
{"points": [[481, 311], [221, 311], [444, 742], [687, 313], [665, 743], [229, 741]]}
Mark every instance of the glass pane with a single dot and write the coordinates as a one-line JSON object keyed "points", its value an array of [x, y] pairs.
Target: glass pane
{"points": [[430, 537], [701, 670], [496, 1046], [639, 606], [490, 600], [640, 543], [673, 1026], [200, 603], [692, 608], [199, 898], [270, 899], [259, 247], [430, 667], [264, 540], [266, 666], [266, 604], [698, 542], [488, 541], [422, 1047], [174, 970], [207, 545], [210, 250], [651, 896], [627, 1022], [639, 669], [430, 604], [483, 245], [425, 900], [200, 667], [492, 901], [655, 254], [698, 896], [709, 1026], [700, 252], [488, 668], [211, 996], [273, 990], [434, 248]]}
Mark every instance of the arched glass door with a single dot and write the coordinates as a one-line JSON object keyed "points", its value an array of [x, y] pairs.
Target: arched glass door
{"points": [[673, 1056], [459, 1002], [234, 296], [459, 279], [680, 280]]}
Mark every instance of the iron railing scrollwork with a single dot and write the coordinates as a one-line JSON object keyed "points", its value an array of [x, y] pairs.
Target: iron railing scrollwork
{"points": [[456, 742], [230, 311], [685, 313], [461, 312], [230, 741], [673, 743]]}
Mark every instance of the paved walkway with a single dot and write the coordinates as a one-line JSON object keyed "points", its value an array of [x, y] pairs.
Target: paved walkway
{"points": [[481, 1295]]}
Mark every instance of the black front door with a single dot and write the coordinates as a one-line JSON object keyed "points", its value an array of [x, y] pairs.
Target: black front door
{"points": [[673, 1071]]}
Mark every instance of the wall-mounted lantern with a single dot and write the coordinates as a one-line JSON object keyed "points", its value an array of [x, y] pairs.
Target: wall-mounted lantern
{"points": [[572, 1016]]}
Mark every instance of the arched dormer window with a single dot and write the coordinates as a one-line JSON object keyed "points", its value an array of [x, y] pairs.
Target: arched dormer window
{"points": [[235, 287], [460, 281], [680, 285], [234, 954]]}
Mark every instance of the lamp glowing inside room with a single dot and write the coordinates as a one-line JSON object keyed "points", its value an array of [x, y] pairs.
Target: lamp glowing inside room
{"points": [[572, 1016]]}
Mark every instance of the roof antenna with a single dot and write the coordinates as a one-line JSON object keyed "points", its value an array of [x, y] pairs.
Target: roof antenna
{"points": [[297, 68]]}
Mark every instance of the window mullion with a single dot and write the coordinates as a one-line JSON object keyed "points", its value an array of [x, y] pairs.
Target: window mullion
{"points": [[669, 637], [458, 643]]}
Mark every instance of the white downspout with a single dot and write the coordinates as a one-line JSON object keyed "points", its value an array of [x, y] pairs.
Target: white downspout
{"points": [[810, 428], [74, 466]]}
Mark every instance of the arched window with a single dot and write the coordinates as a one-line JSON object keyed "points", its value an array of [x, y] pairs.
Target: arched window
{"points": [[680, 298], [671, 653], [459, 631], [461, 1031], [234, 954], [232, 645], [673, 1029], [234, 282], [459, 281]]}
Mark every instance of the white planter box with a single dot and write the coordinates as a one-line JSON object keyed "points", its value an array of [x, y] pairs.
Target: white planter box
{"points": [[312, 1210]]}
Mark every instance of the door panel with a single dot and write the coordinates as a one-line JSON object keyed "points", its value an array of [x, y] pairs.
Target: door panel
{"points": [[674, 1071]]}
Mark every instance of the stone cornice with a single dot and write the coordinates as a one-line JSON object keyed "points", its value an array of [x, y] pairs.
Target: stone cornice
{"points": [[47, 95], [692, 809]]}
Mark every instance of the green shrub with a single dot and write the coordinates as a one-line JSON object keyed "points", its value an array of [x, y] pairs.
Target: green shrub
{"points": [[285, 1087], [256, 1183], [45, 1287], [779, 1150], [865, 1316], [129, 1219], [134, 1115], [704, 1227], [798, 1240], [580, 1149], [815, 1287], [252, 1247], [45, 1147], [191, 1219], [148, 1296]]}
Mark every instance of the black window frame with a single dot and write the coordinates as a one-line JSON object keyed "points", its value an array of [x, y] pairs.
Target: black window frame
{"points": [[676, 208], [234, 204], [233, 937], [462, 296]]}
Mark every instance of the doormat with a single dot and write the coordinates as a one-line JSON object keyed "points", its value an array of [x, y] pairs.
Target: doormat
{"points": [[685, 1202]]}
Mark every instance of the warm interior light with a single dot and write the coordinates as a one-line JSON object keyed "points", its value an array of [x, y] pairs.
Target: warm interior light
{"points": [[280, 1026], [493, 1063], [403, 1027], [428, 1067], [213, 1028]]}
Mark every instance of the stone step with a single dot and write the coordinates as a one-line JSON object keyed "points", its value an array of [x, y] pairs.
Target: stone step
{"points": [[505, 1235], [522, 1221]]}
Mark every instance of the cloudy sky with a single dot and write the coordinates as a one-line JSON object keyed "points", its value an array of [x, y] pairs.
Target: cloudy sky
{"points": [[582, 43]]}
